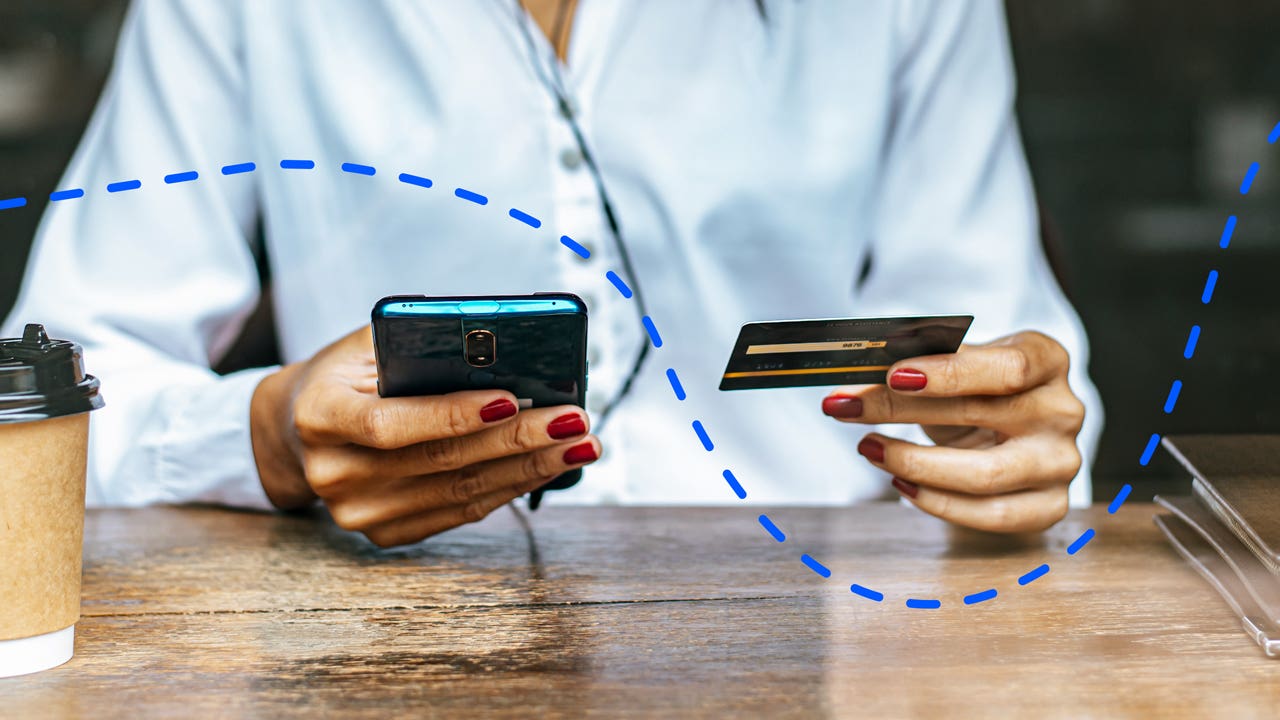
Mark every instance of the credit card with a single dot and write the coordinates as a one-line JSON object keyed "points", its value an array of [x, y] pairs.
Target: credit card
{"points": [[850, 351]]}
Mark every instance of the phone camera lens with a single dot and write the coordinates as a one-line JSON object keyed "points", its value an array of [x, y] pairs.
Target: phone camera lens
{"points": [[481, 348]]}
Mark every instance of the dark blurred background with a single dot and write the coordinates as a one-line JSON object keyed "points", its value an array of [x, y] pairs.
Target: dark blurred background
{"points": [[1139, 117]]}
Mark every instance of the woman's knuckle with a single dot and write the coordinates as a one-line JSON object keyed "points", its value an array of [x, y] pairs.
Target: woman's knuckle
{"points": [[1060, 504], [526, 436], [993, 473], [1075, 413], [441, 455], [307, 423], [900, 460], [322, 472], [974, 411], [1070, 462], [348, 516], [456, 419], [1000, 515], [1056, 353], [1018, 369], [540, 465], [377, 427], [951, 376], [1063, 413], [474, 511], [466, 486], [942, 505]]}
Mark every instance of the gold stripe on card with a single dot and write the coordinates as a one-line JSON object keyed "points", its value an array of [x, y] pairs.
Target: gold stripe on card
{"points": [[805, 371], [835, 345]]}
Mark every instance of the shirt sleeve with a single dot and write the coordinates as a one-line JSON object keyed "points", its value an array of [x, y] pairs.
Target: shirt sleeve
{"points": [[957, 230], [156, 281]]}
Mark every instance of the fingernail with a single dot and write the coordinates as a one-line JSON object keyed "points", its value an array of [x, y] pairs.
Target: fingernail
{"points": [[842, 407], [907, 379], [497, 410], [906, 488], [871, 450], [578, 454], [567, 426]]}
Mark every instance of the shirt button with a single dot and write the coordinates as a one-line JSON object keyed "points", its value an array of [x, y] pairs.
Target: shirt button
{"points": [[571, 158]]}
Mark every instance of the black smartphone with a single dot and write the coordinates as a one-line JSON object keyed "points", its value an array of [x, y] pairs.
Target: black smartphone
{"points": [[533, 346]]}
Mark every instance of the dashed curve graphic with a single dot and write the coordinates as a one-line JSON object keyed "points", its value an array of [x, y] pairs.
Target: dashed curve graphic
{"points": [[677, 388]]}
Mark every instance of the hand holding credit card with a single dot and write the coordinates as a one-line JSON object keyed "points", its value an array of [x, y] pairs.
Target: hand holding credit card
{"points": [[851, 351], [1001, 415]]}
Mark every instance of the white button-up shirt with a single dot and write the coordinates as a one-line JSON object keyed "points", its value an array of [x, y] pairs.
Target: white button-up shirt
{"points": [[755, 164]]}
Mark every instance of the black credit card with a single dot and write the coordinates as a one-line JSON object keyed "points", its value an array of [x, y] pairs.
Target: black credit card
{"points": [[850, 351]]}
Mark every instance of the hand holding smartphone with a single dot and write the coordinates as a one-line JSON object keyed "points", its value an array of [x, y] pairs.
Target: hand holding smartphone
{"points": [[533, 346]]}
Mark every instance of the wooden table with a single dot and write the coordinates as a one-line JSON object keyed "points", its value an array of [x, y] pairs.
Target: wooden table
{"points": [[643, 612]]}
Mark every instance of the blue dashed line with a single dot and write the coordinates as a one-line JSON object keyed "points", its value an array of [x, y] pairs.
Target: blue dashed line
{"points": [[1209, 284], [124, 186], [1227, 231], [525, 218], [676, 387], [408, 179], [1080, 542], [978, 597], [618, 283], [767, 524], [1119, 498], [1248, 179], [1171, 401], [12, 203], [866, 592], [1192, 338], [70, 194], [815, 566], [1151, 449], [474, 197], [573, 245], [1275, 134], [1033, 575], [735, 485], [702, 435], [181, 177], [652, 330]]}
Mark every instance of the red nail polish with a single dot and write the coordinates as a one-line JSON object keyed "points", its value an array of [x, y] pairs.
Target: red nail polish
{"points": [[578, 454], [907, 379], [871, 450], [906, 488], [567, 426], [497, 410], [842, 407]]}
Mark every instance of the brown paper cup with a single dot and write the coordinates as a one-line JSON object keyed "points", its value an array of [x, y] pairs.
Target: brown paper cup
{"points": [[42, 479]]}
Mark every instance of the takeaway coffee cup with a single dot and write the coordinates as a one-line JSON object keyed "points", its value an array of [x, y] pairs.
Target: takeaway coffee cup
{"points": [[45, 399]]}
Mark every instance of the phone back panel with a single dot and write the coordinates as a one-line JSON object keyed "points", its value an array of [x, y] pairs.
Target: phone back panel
{"points": [[540, 346]]}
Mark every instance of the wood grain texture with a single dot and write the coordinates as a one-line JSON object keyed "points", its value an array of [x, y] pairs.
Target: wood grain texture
{"points": [[643, 612]]}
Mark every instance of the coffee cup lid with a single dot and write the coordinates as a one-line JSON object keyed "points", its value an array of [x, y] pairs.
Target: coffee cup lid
{"points": [[42, 378]]}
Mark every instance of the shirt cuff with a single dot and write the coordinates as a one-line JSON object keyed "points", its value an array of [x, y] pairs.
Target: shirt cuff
{"points": [[207, 453]]}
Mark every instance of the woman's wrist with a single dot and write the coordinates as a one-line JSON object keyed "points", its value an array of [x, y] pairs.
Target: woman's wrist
{"points": [[279, 470]]}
